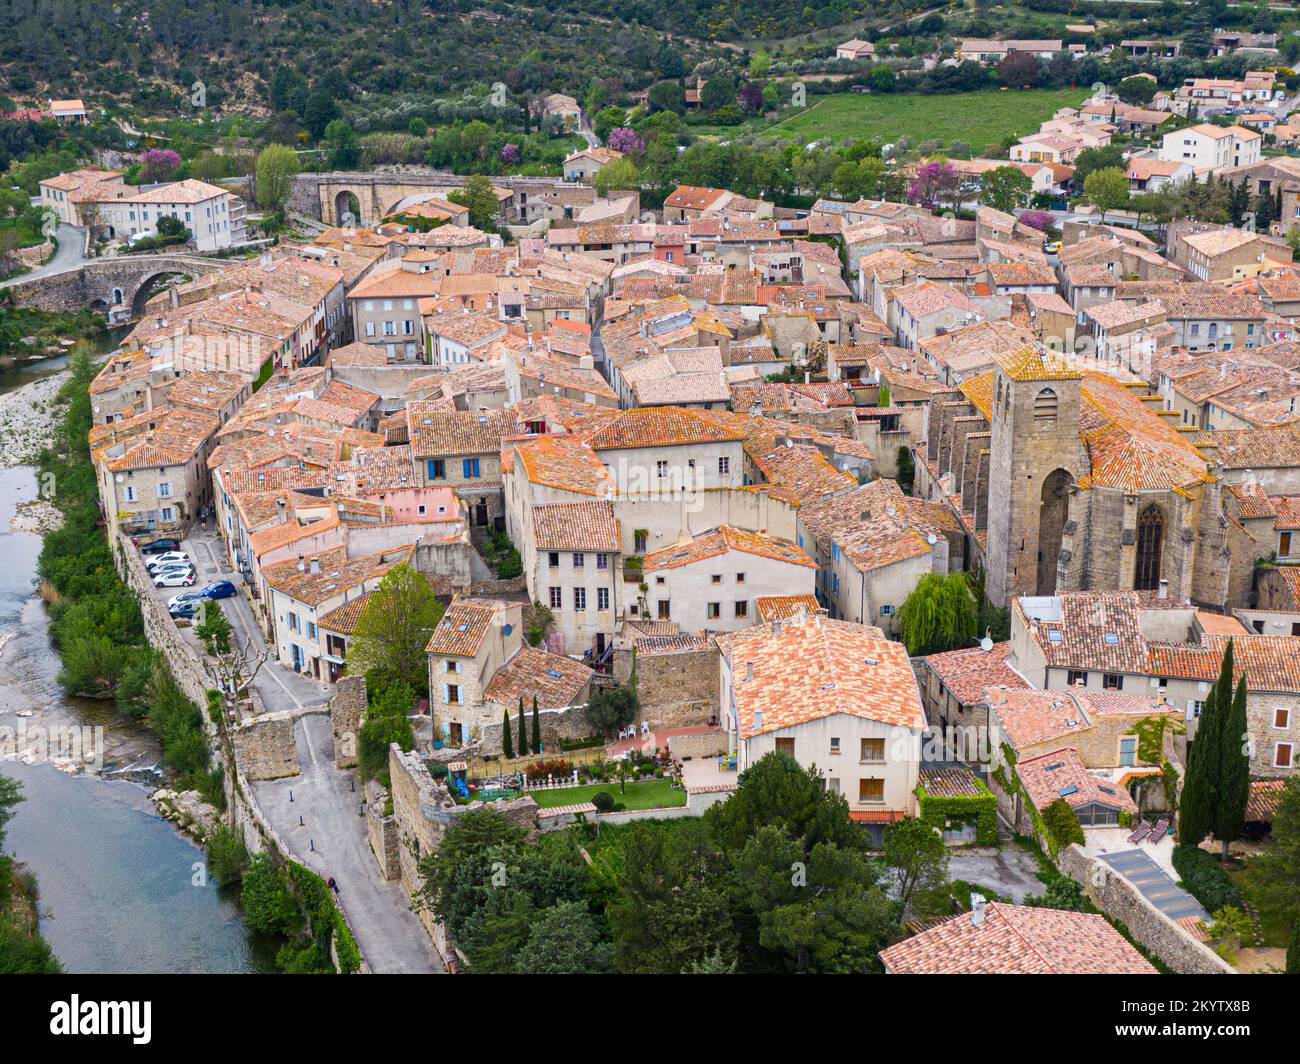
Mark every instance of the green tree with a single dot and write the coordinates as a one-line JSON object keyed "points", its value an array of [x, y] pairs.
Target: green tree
{"points": [[667, 96], [1092, 159], [214, 630], [1106, 189], [1062, 824], [268, 907], [611, 708], [537, 729], [523, 731], [1275, 871], [1200, 786], [394, 628], [564, 940], [621, 175], [1136, 90], [777, 790], [906, 469], [507, 739], [387, 721], [940, 614], [1293, 951], [1062, 893], [277, 166], [717, 92], [481, 199], [1005, 188], [342, 144], [916, 853], [1232, 791]]}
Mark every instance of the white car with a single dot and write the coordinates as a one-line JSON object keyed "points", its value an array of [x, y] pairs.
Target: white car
{"points": [[174, 578], [163, 561]]}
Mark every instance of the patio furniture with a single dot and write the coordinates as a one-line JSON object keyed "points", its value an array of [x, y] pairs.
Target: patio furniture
{"points": [[1143, 829], [1158, 832]]}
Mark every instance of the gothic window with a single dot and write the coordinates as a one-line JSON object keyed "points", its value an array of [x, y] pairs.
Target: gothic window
{"points": [[1150, 539], [1045, 409]]}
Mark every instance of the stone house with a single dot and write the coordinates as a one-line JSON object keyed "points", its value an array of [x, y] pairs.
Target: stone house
{"points": [[830, 694]]}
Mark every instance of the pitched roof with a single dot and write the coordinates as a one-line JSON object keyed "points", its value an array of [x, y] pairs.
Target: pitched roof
{"points": [[1061, 774], [577, 526], [967, 673], [819, 668], [463, 627], [719, 541], [555, 680], [1018, 940]]}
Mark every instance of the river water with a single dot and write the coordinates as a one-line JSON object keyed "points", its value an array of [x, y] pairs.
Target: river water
{"points": [[120, 889]]}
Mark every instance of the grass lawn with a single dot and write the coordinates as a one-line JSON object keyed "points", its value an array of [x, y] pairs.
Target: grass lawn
{"points": [[980, 119], [1273, 926], [652, 794]]}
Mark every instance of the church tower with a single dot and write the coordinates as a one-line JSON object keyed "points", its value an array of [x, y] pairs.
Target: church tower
{"points": [[1035, 458]]}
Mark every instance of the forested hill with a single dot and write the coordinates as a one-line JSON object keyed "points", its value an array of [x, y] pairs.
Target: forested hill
{"points": [[140, 52]]}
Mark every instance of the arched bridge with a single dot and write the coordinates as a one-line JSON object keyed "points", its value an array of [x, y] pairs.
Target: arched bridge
{"points": [[101, 284]]}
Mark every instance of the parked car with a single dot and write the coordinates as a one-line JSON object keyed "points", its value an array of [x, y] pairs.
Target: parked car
{"points": [[159, 561], [219, 589], [160, 546], [172, 567], [1052, 247], [188, 609], [194, 596], [174, 578]]}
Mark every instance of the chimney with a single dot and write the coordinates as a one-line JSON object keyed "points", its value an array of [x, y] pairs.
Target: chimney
{"points": [[315, 565], [776, 626], [976, 909], [749, 670], [1164, 589]]}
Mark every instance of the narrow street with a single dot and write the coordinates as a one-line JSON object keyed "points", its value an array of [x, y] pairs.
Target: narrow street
{"points": [[319, 811]]}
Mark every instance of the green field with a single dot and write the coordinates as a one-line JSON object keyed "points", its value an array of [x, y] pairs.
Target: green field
{"points": [[652, 794], [980, 119]]}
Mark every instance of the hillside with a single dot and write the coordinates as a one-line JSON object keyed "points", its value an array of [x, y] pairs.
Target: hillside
{"points": [[146, 53]]}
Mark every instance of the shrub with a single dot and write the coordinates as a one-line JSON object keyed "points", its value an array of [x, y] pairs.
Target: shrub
{"points": [[603, 801], [268, 907], [1204, 878], [1062, 824], [612, 708], [539, 770], [227, 855]]}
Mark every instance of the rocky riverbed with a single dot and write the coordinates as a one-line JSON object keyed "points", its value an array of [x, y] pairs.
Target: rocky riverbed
{"points": [[27, 421]]}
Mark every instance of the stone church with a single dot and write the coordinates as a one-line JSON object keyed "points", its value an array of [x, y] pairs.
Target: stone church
{"points": [[1074, 480]]}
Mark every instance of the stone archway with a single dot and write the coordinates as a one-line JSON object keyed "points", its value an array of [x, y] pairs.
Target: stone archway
{"points": [[347, 208], [147, 289], [1054, 508]]}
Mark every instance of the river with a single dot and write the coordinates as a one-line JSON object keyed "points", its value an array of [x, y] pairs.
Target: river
{"points": [[121, 890]]}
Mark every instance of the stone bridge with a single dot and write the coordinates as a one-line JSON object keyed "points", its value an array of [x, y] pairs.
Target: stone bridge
{"points": [[370, 197], [119, 282]]}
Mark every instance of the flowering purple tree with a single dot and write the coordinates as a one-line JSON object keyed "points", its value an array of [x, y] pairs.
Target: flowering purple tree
{"points": [[1040, 220], [510, 154], [158, 164], [935, 182], [625, 140], [751, 98]]}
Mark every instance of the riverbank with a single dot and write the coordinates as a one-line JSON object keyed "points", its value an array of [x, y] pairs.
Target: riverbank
{"points": [[29, 418]]}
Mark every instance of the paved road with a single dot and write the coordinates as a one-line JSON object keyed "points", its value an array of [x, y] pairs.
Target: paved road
{"points": [[331, 839], [67, 257], [1155, 884], [389, 934]]}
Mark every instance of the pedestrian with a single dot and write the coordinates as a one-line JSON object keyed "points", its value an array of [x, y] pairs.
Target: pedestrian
{"points": [[332, 885]]}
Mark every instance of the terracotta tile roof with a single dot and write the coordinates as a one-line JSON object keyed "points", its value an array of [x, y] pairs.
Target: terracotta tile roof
{"points": [[436, 433], [951, 782], [563, 462], [177, 437], [554, 679], [816, 669], [1017, 940], [1020, 274], [463, 627], [657, 427], [1033, 362], [925, 298], [577, 526], [1061, 774], [335, 573], [343, 619], [784, 607], [1261, 806], [967, 673], [719, 541]]}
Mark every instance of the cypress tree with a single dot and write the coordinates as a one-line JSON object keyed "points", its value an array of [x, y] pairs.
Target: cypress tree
{"points": [[537, 729], [1233, 789], [523, 732], [507, 743], [1293, 951], [1195, 809]]}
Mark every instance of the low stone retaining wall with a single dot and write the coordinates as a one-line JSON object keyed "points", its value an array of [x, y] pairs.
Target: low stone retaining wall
{"points": [[628, 816], [697, 744], [1120, 899]]}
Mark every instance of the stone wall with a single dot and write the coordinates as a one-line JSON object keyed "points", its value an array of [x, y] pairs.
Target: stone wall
{"points": [[346, 708], [96, 281], [265, 747], [675, 690], [697, 744], [423, 810], [557, 724], [1122, 901]]}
